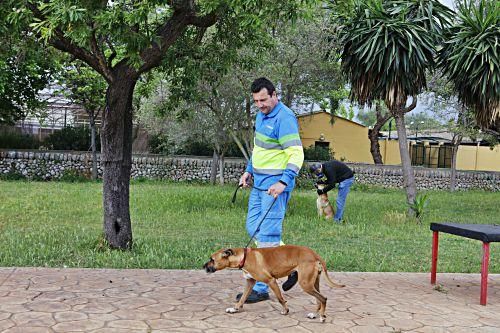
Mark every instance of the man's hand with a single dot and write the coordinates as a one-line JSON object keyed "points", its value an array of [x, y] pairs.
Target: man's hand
{"points": [[276, 189], [245, 179]]}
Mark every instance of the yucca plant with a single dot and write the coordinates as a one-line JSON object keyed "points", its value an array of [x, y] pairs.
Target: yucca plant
{"points": [[470, 57], [388, 46], [420, 205]]}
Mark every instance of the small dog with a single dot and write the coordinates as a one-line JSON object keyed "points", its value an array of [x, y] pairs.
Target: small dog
{"points": [[268, 264], [323, 205]]}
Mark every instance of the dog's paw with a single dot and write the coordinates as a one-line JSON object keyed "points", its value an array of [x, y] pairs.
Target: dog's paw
{"points": [[311, 315], [231, 310], [322, 319], [285, 311]]}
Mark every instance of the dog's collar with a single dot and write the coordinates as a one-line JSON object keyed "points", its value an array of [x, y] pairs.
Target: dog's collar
{"points": [[246, 250]]}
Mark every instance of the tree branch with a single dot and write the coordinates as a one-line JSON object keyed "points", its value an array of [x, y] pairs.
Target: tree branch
{"points": [[113, 53], [64, 44], [203, 21], [184, 15], [411, 106], [98, 53]]}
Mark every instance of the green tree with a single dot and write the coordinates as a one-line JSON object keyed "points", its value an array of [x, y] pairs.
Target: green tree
{"points": [[295, 58], [25, 69], [122, 40], [302, 63], [457, 119], [470, 58], [86, 88], [388, 46]]}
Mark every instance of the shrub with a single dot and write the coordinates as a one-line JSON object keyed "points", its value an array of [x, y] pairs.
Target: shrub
{"points": [[18, 141], [318, 153], [71, 138], [197, 148], [160, 144]]}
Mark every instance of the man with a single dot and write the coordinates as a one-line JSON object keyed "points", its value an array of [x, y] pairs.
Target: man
{"points": [[334, 172], [276, 160]]}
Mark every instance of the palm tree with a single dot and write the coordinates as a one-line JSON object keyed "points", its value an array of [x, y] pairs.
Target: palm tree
{"points": [[388, 46], [470, 57]]}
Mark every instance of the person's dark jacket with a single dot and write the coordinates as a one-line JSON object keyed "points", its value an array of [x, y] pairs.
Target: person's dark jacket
{"points": [[335, 172]]}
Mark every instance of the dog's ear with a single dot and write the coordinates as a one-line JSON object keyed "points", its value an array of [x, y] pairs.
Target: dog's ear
{"points": [[227, 253]]}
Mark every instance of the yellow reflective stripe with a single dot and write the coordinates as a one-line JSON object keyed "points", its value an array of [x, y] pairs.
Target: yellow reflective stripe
{"points": [[265, 138], [274, 159], [270, 161], [295, 156]]}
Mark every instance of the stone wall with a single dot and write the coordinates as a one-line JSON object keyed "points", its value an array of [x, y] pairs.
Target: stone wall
{"points": [[426, 178], [49, 165]]}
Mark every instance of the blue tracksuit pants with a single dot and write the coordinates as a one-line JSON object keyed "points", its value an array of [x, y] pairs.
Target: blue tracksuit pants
{"points": [[269, 232], [344, 188]]}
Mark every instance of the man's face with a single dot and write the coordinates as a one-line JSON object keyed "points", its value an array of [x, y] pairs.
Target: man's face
{"points": [[264, 101]]}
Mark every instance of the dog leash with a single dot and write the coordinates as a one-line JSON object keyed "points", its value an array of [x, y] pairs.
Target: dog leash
{"points": [[262, 220], [236, 191]]}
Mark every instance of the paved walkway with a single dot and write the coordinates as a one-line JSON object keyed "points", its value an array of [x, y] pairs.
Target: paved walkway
{"points": [[107, 300]]}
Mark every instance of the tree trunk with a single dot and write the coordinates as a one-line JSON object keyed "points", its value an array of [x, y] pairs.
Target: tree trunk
{"points": [[249, 130], [453, 176], [373, 134], [288, 95], [221, 169], [375, 146], [213, 170], [240, 145], [408, 176], [92, 145], [116, 160]]}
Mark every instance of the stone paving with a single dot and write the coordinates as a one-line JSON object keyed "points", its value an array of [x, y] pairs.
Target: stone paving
{"points": [[108, 300]]}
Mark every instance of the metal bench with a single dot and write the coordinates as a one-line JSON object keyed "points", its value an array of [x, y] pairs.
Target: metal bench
{"points": [[486, 233]]}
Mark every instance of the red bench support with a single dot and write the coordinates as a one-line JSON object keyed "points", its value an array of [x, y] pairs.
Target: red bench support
{"points": [[435, 246], [484, 273], [484, 233]]}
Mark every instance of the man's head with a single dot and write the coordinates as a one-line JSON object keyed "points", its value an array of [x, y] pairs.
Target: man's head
{"points": [[316, 169], [264, 95]]}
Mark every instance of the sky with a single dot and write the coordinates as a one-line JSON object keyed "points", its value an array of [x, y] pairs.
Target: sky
{"points": [[448, 3]]}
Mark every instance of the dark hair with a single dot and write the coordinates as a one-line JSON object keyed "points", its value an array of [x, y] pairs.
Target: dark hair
{"points": [[314, 166], [262, 83]]}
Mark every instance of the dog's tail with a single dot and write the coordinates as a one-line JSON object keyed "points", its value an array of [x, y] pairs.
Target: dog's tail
{"points": [[322, 267]]}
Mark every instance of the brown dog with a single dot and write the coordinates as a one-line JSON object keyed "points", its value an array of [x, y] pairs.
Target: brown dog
{"points": [[268, 264], [323, 205]]}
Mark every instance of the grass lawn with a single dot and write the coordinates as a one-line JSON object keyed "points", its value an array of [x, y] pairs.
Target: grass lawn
{"points": [[177, 225]]}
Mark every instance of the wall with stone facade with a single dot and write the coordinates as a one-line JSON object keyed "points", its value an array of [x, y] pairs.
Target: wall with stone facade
{"points": [[52, 165]]}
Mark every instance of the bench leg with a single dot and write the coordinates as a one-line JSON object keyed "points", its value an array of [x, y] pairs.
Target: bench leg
{"points": [[484, 273], [435, 245]]}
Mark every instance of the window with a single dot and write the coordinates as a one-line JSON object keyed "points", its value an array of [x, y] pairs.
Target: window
{"points": [[322, 144], [431, 156], [445, 154]]}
